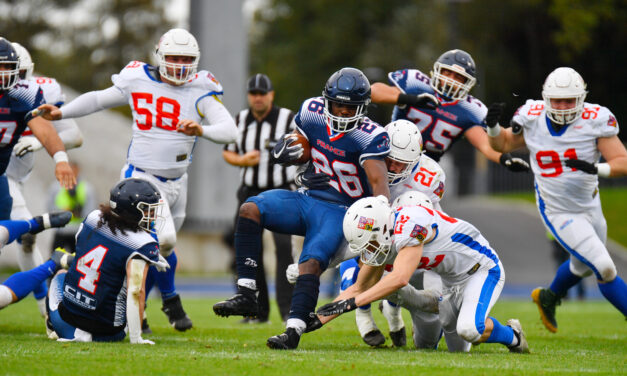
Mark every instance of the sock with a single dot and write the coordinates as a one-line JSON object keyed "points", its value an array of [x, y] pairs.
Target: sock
{"points": [[502, 334], [305, 297], [41, 291], [165, 280], [616, 293], [22, 283], [365, 307], [151, 280], [564, 279], [247, 247], [17, 228]]}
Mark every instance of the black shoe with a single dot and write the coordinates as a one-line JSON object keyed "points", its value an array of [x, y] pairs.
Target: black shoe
{"points": [[285, 341], [546, 300], [62, 258], [244, 303], [176, 315], [374, 338], [145, 327], [399, 338], [49, 220]]}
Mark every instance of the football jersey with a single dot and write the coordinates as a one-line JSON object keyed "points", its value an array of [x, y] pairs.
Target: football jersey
{"points": [[427, 177], [157, 107], [443, 126], [15, 104], [95, 285], [20, 167], [341, 155], [457, 250], [561, 188]]}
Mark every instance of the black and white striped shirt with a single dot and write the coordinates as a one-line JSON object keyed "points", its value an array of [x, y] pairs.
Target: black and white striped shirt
{"points": [[254, 135]]}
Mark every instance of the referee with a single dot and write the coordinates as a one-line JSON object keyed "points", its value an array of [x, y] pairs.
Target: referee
{"points": [[259, 126]]}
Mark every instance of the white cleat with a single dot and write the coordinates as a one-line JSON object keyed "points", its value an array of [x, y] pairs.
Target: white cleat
{"points": [[523, 346]]}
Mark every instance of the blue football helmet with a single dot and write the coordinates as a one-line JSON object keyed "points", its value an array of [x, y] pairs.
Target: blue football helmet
{"points": [[137, 200], [457, 61], [10, 61], [349, 87]]}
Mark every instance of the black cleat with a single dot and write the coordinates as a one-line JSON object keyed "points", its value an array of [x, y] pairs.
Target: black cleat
{"points": [[285, 341], [62, 258], [145, 327], [49, 220], [374, 338], [244, 303], [546, 300], [399, 338], [176, 315]]}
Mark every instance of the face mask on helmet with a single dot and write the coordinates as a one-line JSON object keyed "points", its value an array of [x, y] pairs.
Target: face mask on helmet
{"points": [[405, 150], [347, 87], [174, 43], [152, 220], [564, 83], [138, 201], [26, 65], [455, 62], [368, 226], [9, 63], [413, 198]]}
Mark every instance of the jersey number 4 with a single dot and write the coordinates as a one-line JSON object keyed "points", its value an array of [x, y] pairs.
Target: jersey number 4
{"points": [[167, 116], [89, 266]]}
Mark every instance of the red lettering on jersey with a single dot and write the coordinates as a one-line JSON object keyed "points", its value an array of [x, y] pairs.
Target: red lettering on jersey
{"points": [[590, 112], [134, 64], [424, 262], [426, 177], [43, 80], [398, 229], [167, 109], [535, 110]]}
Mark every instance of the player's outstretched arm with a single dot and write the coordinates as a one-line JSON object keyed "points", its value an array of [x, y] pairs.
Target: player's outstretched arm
{"points": [[382, 93], [136, 272], [218, 124], [85, 104], [376, 171], [613, 150], [47, 135]]}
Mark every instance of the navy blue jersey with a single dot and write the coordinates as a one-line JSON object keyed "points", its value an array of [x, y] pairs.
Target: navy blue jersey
{"points": [[442, 127], [95, 285], [341, 155], [15, 104]]}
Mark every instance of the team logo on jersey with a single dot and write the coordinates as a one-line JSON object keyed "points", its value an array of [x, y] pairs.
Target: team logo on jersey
{"points": [[418, 232], [5, 110], [446, 114], [398, 75], [385, 144], [212, 78], [330, 148], [612, 121], [365, 223], [439, 191]]}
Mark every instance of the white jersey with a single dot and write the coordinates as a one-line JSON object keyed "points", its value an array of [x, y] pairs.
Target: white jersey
{"points": [[456, 252], [157, 107], [560, 188], [427, 177]]}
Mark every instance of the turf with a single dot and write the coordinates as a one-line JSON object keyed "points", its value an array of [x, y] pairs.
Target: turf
{"points": [[592, 339]]}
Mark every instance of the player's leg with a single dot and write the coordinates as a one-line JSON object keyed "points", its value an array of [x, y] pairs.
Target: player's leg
{"points": [[6, 201], [56, 326], [448, 314], [263, 299], [284, 289]]}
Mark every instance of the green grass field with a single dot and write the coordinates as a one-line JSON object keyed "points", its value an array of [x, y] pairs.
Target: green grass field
{"points": [[592, 340]]}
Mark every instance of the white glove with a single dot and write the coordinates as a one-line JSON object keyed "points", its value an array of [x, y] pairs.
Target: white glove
{"points": [[141, 341], [292, 273], [162, 264], [26, 145]]}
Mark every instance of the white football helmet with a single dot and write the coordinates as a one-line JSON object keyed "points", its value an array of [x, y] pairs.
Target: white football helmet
{"points": [[413, 198], [564, 82], [368, 228], [177, 42], [26, 62], [405, 147]]}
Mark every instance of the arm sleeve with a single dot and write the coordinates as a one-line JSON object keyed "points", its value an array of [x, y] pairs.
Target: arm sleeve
{"points": [[69, 133], [220, 127], [93, 101], [135, 280]]}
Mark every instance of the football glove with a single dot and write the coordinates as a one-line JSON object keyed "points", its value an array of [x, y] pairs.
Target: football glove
{"points": [[292, 273], [313, 324], [424, 100], [312, 179], [514, 164], [337, 308], [284, 152], [494, 114], [26, 145], [587, 167]]}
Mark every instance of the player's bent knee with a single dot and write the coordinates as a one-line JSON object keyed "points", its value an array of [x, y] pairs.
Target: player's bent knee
{"points": [[166, 244], [311, 266], [6, 296], [28, 240], [608, 273], [468, 331], [250, 210]]}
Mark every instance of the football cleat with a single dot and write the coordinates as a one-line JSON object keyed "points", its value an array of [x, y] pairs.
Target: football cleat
{"points": [[395, 321], [399, 338], [368, 329], [145, 327], [244, 303], [173, 308], [522, 346], [62, 258], [546, 300], [49, 220], [285, 341]]}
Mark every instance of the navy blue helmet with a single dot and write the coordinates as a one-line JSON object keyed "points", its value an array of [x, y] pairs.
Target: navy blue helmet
{"points": [[136, 200], [459, 62], [349, 87], [10, 61]]}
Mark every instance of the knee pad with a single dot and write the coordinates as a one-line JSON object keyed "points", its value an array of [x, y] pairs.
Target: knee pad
{"points": [[578, 268], [467, 330], [6, 296], [167, 243], [28, 241]]}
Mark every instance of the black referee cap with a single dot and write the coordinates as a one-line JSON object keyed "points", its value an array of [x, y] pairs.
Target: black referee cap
{"points": [[259, 83]]}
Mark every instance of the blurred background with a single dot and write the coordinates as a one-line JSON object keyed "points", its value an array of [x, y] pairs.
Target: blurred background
{"points": [[298, 44]]}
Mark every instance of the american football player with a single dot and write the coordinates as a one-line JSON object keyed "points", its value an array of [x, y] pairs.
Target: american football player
{"points": [[173, 104], [566, 138]]}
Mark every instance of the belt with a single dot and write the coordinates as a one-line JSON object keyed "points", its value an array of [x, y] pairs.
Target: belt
{"points": [[160, 178]]}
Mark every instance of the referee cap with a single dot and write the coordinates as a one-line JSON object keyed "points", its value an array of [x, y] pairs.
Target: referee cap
{"points": [[259, 83]]}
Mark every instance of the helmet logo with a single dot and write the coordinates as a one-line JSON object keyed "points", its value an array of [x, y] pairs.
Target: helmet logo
{"points": [[343, 97], [365, 223]]}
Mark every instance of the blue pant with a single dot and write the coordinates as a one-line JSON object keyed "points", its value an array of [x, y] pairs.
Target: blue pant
{"points": [[6, 201]]}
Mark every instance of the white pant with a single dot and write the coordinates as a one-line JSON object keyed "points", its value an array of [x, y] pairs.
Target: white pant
{"points": [[174, 193], [28, 256]]}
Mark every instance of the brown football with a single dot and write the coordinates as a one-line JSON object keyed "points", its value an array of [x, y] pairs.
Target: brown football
{"points": [[302, 140]]}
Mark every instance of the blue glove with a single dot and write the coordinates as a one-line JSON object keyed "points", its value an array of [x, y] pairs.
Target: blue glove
{"points": [[284, 152]]}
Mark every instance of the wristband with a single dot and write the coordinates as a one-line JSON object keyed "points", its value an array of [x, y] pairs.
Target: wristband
{"points": [[406, 99], [60, 156], [494, 131], [603, 169]]}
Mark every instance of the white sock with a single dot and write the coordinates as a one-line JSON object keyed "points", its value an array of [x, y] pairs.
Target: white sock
{"points": [[297, 324]]}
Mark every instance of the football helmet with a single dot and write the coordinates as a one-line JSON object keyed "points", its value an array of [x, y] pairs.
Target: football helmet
{"points": [[348, 86], [564, 82], [413, 198], [405, 147], [138, 201], [177, 42], [26, 65], [368, 227], [459, 62], [8, 56]]}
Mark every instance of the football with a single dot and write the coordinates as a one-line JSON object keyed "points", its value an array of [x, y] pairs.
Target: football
{"points": [[302, 140]]}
